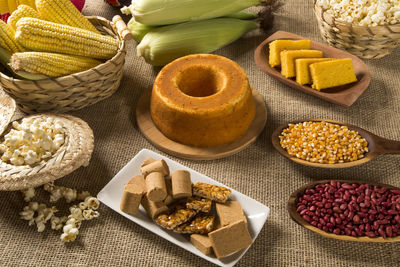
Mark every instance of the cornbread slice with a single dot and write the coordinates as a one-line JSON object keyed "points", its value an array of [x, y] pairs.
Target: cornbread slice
{"points": [[277, 46], [303, 75], [288, 68], [332, 73]]}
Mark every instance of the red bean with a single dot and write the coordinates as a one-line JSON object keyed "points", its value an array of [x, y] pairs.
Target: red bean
{"points": [[389, 231], [352, 209]]}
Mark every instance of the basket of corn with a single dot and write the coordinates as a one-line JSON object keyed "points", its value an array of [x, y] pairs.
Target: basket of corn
{"points": [[55, 59], [367, 29]]}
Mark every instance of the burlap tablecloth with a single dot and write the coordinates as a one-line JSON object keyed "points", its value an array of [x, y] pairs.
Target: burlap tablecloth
{"points": [[258, 171]]}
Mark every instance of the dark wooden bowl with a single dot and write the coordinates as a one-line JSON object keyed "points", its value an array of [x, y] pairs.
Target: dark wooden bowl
{"points": [[344, 95], [376, 146], [292, 209]]}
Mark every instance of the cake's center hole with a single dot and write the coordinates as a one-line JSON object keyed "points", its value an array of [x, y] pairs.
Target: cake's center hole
{"points": [[199, 81]]}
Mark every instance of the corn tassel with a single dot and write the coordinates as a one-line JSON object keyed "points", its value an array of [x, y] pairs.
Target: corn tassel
{"points": [[164, 44], [163, 12], [21, 12], [45, 36], [50, 64], [63, 12], [7, 39]]}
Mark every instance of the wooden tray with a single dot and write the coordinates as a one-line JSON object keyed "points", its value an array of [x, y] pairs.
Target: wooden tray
{"points": [[344, 95], [156, 138]]}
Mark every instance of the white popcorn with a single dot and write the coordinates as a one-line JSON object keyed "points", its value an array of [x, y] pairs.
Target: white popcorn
{"points": [[68, 237], [28, 194], [92, 203], [83, 205], [32, 141], [76, 213], [363, 12], [74, 222], [57, 192], [69, 194], [57, 222], [90, 214], [27, 214], [83, 195]]}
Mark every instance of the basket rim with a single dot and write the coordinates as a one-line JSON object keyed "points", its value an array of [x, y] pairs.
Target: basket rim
{"points": [[345, 23], [121, 49], [81, 141]]}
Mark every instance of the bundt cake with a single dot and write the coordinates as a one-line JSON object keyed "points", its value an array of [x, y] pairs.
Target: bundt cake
{"points": [[202, 100]]}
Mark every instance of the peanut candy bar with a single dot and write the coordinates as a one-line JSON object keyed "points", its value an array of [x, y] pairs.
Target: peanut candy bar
{"points": [[199, 204], [213, 192], [201, 224], [177, 216]]}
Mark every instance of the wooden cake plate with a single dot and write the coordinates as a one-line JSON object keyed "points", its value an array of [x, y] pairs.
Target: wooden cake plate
{"points": [[156, 138]]}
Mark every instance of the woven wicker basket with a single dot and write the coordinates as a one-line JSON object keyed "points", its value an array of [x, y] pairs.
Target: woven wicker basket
{"points": [[74, 91], [75, 152], [362, 41]]}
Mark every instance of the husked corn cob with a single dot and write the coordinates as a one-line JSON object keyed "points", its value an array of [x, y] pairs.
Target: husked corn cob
{"points": [[13, 4], [63, 12], [7, 39], [40, 35], [21, 12], [50, 64], [3, 6]]}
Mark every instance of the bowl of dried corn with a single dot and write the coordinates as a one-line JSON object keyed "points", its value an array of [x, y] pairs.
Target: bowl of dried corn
{"points": [[60, 64], [367, 30]]}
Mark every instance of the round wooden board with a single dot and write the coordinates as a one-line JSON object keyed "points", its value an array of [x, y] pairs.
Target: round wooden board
{"points": [[156, 138]]}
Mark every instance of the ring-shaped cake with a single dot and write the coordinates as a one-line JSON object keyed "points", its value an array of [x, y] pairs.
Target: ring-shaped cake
{"points": [[202, 100]]}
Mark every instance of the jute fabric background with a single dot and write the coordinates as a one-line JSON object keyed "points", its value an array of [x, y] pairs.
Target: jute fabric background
{"points": [[259, 171]]}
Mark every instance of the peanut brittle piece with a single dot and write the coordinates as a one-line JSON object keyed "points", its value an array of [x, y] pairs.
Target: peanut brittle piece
{"points": [[178, 215], [201, 224], [199, 204], [213, 192]]}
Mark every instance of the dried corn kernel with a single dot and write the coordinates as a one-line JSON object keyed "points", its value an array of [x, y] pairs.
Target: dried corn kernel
{"points": [[323, 142]]}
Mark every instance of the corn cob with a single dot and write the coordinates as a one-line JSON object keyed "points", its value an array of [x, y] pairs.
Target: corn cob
{"points": [[7, 39], [3, 6], [40, 35], [164, 44], [21, 12], [63, 12], [163, 12], [138, 30], [50, 64]]}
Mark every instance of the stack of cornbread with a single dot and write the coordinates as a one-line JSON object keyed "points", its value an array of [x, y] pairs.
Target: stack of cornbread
{"points": [[296, 59]]}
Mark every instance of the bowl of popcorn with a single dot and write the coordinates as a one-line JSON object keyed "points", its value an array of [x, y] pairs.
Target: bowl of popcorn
{"points": [[366, 28], [41, 148]]}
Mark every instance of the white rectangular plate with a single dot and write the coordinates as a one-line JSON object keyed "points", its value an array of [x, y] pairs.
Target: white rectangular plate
{"points": [[111, 194]]}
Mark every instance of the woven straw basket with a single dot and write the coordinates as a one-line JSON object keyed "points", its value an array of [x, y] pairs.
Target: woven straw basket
{"points": [[74, 91], [362, 41], [75, 152]]}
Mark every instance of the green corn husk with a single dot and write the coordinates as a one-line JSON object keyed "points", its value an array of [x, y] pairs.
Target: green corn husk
{"points": [[164, 12], [138, 30], [243, 15], [164, 44]]}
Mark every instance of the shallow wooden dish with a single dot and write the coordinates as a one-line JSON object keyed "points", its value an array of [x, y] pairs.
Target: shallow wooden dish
{"points": [[292, 209], [156, 138], [344, 95], [376, 146]]}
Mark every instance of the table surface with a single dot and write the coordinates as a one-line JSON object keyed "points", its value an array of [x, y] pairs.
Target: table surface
{"points": [[258, 171]]}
